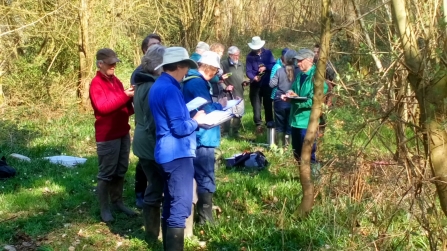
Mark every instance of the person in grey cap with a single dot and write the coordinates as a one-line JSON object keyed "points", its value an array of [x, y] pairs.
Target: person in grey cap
{"points": [[200, 49], [112, 106], [175, 146], [303, 86]]}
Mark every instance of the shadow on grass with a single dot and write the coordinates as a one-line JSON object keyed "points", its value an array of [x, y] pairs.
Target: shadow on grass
{"points": [[57, 207]]}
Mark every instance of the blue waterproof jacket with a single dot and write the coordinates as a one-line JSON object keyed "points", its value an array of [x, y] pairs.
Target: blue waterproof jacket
{"points": [[199, 87]]}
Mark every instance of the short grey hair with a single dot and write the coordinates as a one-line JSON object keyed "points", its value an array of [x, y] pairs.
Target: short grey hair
{"points": [[233, 50], [152, 59]]}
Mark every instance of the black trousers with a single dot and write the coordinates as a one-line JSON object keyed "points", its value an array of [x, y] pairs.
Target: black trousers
{"points": [[140, 179], [258, 95]]}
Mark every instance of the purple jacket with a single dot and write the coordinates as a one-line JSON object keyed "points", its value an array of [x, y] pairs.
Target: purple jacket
{"points": [[252, 65]]}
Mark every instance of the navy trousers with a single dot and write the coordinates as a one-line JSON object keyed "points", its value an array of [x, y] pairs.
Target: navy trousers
{"points": [[298, 135], [178, 191], [204, 170]]}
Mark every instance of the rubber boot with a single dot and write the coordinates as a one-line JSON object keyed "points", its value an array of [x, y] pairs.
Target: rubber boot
{"points": [[151, 219], [164, 227], [174, 239], [116, 196], [190, 224], [280, 139], [103, 196], [205, 208]]}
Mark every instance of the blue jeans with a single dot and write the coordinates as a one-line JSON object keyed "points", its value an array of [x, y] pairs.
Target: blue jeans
{"points": [[204, 170], [282, 113], [298, 135], [178, 188]]}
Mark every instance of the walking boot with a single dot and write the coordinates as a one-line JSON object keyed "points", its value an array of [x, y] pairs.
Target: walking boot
{"points": [[174, 239], [205, 208], [280, 139], [103, 196], [151, 219], [116, 196], [190, 224]]}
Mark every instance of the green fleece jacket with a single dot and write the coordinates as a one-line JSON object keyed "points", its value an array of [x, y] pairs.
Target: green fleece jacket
{"points": [[304, 87]]}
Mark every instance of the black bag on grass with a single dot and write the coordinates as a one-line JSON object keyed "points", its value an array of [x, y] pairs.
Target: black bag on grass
{"points": [[5, 170], [253, 160]]}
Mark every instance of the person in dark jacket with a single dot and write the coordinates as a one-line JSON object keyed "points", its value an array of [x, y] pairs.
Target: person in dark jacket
{"points": [[282, 81], [140, 177], [207, 139], [175, 145], [236, 79], [144, 141], [259, 64]]}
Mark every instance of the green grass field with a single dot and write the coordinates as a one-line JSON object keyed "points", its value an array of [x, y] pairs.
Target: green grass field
{"points": [[358, 206]]}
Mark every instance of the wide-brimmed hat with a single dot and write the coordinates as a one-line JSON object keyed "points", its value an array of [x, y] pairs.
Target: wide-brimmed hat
{"points": [[175, 55], [256, 43], [304, 53], [107, 56], [210, 58]]}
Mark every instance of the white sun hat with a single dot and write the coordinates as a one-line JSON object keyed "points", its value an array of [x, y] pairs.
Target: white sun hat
{"points": [[175, 55], [210, 58], [256, 43]]}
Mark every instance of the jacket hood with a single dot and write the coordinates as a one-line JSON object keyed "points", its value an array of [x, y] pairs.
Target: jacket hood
{"points": [[142, 77], [194, 72]]}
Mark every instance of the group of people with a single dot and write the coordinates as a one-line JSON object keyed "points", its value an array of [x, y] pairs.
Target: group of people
{"points": [[176, 157]]}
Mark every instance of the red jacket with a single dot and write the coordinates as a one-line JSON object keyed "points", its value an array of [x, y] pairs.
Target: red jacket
{"points": [[111, 106]]}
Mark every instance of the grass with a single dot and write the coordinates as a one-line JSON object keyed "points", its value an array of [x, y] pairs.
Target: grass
{"points": [[358, 206]]}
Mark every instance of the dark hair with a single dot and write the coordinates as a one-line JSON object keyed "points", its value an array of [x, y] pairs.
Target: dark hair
{"points": [[317, 45], [174, 66], [144, 44]]}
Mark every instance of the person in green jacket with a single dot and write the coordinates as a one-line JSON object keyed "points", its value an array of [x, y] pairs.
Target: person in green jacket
{"points": [[144, 141], [303, 86]]}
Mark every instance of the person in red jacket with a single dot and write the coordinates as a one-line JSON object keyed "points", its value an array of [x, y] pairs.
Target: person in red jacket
{"points": [[112, 106]]}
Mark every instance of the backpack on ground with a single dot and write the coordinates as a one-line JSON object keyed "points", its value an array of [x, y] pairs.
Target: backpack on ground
{"points": [[5, 170]]}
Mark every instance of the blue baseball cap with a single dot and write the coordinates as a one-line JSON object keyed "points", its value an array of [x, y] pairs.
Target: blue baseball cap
{"points": [[284, 51]]}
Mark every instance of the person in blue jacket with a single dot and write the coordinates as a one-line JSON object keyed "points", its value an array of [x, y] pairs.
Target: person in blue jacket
{"points": [[198, 85], [259, 64], [175, 145]]}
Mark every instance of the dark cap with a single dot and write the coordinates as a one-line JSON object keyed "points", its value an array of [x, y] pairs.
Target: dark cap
{"points": [[283, 52], [304, 53], [107, 55]]}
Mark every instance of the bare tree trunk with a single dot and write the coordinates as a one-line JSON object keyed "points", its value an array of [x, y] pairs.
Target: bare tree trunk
{"points": [[367, 38], [352, 36], [85, 60], [431, 98], [305, 168]]}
